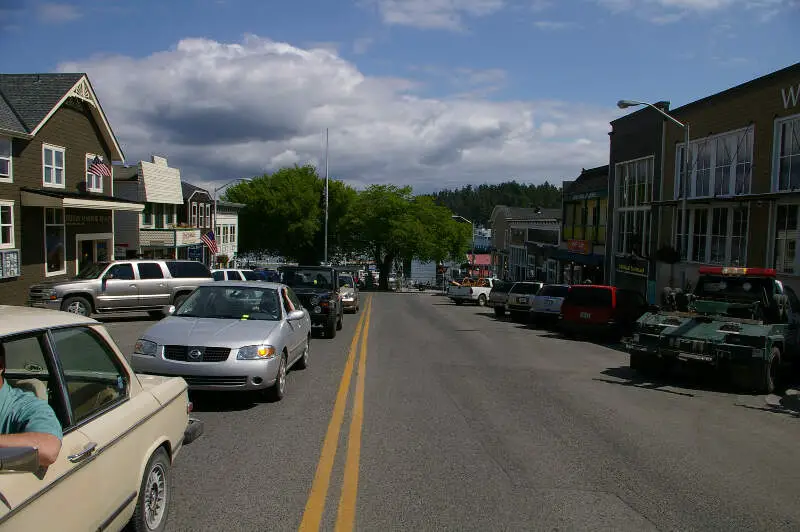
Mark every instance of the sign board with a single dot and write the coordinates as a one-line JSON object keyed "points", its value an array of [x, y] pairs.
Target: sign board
{"points": [[195, 253], [9, 264], [585, 196], [187, 238], [578, 246], [73, 218], [632, 266]]}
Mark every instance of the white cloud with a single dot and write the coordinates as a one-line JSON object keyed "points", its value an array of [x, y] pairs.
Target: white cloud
{"points": [[434, 14], [669, 11], [51, 13], [221, 111]]}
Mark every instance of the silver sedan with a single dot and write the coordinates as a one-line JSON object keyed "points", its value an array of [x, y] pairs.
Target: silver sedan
{"points": [[230, 335]]}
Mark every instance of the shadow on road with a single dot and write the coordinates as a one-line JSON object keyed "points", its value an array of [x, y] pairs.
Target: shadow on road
{"points": [[632, 379], [788, 405], [123, 318], [224, 401]]}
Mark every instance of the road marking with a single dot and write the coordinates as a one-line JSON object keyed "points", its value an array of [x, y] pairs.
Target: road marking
{"points": [[347, 503], [315, 506]]}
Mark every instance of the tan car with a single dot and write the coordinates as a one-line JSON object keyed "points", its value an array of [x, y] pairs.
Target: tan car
{"points": [[122, 432]]}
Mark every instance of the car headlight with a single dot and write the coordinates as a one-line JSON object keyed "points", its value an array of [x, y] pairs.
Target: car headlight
{"points": [[145, 347], [256, 352]]}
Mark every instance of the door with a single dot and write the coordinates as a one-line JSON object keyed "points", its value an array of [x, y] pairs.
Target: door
{"points": [[28, 500], [85, 254], [153, 290], [119, 288], [297, 334]]}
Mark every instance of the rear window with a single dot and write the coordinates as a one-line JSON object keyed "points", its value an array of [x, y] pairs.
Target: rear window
{"points": [[526, 288], [502, 286], [188, 269], [594, 296], [251, 276], [554, 291]]}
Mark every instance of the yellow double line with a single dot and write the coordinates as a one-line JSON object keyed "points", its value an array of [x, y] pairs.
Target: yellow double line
{"points": [[315, 506]]}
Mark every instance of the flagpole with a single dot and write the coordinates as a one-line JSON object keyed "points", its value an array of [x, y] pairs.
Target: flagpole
{"points": [[326, 196]]}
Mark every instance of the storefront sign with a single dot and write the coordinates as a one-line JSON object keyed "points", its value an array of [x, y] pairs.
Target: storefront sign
{"points": [[187, 238], [632, 266], [791, 95], [72, 218], [584, 196], [578, 246], [9, 263]]}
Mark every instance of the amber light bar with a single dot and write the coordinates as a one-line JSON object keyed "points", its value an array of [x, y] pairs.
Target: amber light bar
{"points": [[720, 270]]}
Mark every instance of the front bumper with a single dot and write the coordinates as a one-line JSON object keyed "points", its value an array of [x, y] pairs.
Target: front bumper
{"points": [[706, 354], [194, 429], [230, 375], [52, 304], [349, 304], [322, 319]]}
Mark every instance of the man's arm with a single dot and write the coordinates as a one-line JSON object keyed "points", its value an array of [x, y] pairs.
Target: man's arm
{"points": [[49, 446]]}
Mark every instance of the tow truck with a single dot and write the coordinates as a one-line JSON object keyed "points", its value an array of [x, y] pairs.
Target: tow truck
{"points": [[740, 320]]}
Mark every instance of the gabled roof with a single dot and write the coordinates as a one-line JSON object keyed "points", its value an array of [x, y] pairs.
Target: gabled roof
{"points": [[189, 189], [591, 180], [27, 101]]}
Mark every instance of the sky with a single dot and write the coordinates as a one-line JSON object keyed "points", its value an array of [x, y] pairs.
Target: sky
{"points": [[430, 93]]}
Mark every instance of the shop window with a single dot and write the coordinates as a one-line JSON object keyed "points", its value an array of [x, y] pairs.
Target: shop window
{"points": [[786, 233], [787, 165], [6, 174], [719, 165], [634, 194], [54, 242], [718, 235], [6, 224], [53, 166]]}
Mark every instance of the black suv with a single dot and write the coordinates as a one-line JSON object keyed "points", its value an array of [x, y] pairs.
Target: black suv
{"points": [[318, 290]]}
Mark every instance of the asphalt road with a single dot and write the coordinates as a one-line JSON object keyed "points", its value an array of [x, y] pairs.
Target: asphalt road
{"points": [[474, 423]]}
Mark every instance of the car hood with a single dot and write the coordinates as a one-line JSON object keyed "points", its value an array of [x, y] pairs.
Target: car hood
{"points": [[210, 332], [696, 327], [307, 291], [61, 282], [347, 291]]}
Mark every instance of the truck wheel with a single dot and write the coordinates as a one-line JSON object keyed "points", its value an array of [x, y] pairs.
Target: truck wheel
{"points": [[771, 370], [339, 321], [459, 301], [330, 329], [482, 300], [77, 305], [153, 501], [499, 311]]}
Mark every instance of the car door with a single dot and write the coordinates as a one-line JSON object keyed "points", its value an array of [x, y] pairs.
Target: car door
{"points": [[56, 498], [119, 287], [303, 327], [153, 289], [295, 327], [102, 408]]}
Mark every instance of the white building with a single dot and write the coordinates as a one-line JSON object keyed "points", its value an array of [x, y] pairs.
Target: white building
{"points": [[227, 230]]}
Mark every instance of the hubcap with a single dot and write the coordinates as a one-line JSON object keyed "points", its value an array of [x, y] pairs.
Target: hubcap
{"points": [[282, 376], [155, 497], [76, 307]]}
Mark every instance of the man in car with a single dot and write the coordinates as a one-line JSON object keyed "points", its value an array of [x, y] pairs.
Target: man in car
{"points": [[26, 420]]}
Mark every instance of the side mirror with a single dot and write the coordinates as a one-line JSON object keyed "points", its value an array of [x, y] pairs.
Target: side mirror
{"points": [[19, 459], [169, 310], [295, 315]]}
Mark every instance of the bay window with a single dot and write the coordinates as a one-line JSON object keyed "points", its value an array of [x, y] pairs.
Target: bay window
{"points": [[54, 242], [717, 235], [720, 165], [786, 168], [634, 192]]}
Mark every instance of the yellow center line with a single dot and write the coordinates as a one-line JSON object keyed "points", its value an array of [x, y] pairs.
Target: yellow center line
{"points": [[345, 521], [315, 506]]}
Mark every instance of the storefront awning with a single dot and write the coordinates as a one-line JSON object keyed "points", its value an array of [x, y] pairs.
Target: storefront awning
{"points": [[587, 260], [71, 200]]}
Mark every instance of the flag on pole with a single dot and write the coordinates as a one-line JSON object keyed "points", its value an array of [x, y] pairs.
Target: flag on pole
{"points": [[210, 242], [98, 167]]}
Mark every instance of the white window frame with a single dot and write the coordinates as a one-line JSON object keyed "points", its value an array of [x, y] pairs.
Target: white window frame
{"points": [[208, 215], [97, 178], [10, 177], [709, 233], [10, 205], [710, 143], [620, 237], [63, 152], [62, 225], [232, 234], [193, 219], [777, 142], [773, 247]]}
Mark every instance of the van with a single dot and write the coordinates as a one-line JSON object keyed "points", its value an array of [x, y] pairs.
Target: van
{"points": [[599, 309]]}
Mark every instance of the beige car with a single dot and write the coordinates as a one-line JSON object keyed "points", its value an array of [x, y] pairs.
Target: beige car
{"points": [[122, 432]]}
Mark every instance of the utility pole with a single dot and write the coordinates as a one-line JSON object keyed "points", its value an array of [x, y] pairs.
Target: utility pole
{"points": [[326, 195]]}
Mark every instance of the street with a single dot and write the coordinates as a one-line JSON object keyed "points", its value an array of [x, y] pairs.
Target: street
{"points": [[475, 423]]}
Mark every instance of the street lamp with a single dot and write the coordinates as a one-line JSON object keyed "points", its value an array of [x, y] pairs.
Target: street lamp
{"points": [[216, 191], [462, 219], [624, 104]]}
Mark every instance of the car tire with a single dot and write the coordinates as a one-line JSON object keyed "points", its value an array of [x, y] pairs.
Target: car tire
{"points": [[77, 305], [330, 329], [339, 323], [302, 362], [276, 392], [158, 476], [499, 311], [481, 300], [459, 301]]}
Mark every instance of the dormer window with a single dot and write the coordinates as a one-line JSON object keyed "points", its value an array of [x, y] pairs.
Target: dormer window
{"points": [[5, 161]]}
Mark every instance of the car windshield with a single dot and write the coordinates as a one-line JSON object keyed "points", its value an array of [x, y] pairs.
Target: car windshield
{"points": [[346, 281], [589, 297], [307, 278], [232, 303], [732, 288], [93, 270], [525, 288]]}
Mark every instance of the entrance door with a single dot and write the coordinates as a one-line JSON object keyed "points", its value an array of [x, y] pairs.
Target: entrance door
{"points": [[86, 254], [92, 248]]}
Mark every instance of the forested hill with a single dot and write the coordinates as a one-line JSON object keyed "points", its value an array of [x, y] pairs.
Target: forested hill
{"points": [[476, 203]]}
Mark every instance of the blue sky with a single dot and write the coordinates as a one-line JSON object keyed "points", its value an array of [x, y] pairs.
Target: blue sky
{"points": [[438, 76]]}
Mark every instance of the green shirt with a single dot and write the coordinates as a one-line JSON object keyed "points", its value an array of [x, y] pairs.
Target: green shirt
{"points": [[22, 411]]}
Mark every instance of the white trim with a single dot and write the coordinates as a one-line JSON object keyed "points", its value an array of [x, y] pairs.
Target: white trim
{"points": [[55, 149], [10, 178], [63, 226], [776, 151], [31, 199], [95, 105], [108, 237], [91, 156], [193, 214], [9, 203]]}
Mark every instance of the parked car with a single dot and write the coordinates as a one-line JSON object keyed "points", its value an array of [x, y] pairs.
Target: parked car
{"points": [[123, 285], [318, 290], [230, 335], [112, 419], [604, 310], [547, 304], [520, 299], [348, 290], [498, 296], [234, 274], [473, 291]]}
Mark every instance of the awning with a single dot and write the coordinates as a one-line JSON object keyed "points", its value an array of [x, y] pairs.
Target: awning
{"points": [[71, 200], [588, 260]]}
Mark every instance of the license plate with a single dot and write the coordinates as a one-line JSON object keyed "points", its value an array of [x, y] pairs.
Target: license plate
{"points": [[522, 300], [586, 315], [548, 302]]}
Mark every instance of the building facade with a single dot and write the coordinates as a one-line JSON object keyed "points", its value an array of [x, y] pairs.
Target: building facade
{"points": [[227, 232], [56, 151], [509, 255], [542, 238], [197, 212], [582, 250]]}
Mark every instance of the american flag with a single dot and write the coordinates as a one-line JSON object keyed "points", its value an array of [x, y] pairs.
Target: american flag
{"points": [[98, 167], [209, 240]]}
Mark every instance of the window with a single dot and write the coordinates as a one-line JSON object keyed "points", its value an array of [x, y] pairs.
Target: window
{"points": [[232, 235], [718, 235], [634, 193], [787, 166], [201, 216], [150, 270], [53, 166], [54, 242], [94, 379], [224, 234], [233, 275], [188, 270], [294, 299], [208, 214], [147, 214], [6, 175], [158, 215], [786, 233], [6, 224], [94, 182], [193, 221], [120, 272], [720, 165]]}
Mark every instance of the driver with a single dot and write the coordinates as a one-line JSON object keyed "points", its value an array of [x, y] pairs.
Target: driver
{"points": [[26, 420]]}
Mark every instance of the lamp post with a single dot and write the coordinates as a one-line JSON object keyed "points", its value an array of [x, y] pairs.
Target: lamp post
{"points": [[214, 223], [462, 219], [624, 104]]}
